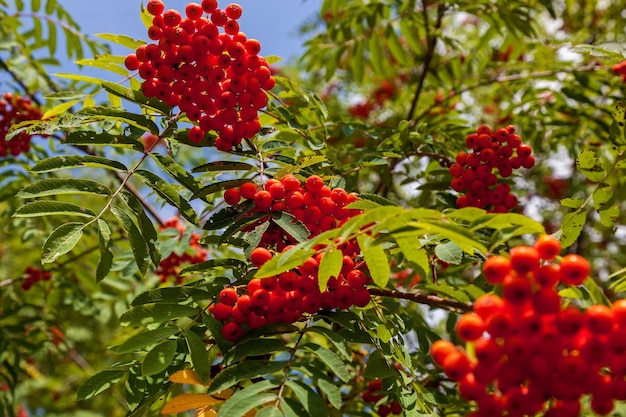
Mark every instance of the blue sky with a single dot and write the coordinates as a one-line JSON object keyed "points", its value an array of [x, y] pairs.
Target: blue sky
{"points": [[273, 22]]}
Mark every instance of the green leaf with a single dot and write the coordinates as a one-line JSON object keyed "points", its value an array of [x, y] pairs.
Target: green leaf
{"points": [[218, 186], [169, 194], [571, 227], [199, 356], [89, 138], [109, 113], [457, 234], [52, 208], [256, 347], [145, 339], [246, 399], [284, 262], [171, 295], [338, 341], [292, 408], [57, 186], [377, 367], [609, 216], [375, 259], [395, 46], [574, 203], [244, 371], [410, 247], [220, 166], [146, 226], [269, 411], [590, 165], [332, 361], [411, 34], [159, 358], [59, 109], [61, 241], [155, 313], [137, 241], [57, 163], [310, 400], [121, 40], [228, 263], [134, 96], [449, 252], [176, 171], [292, 226], [357, 61], [330, 266], [106, 256], [376, 53], [99, 383]]}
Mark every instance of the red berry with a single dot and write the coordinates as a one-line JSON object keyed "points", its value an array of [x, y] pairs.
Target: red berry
{"points": [[470, 327], [248, 190], [263, 200], [155, 7], [194, 11], [232, 196], [496, 268], [548, 247], [228, 296], [259, 256], [195, 134], [209, 5], [524, 259], [574, 269], [232, 331], [233, 11]]}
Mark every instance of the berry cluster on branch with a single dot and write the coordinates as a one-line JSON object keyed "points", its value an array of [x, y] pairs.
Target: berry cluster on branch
{"points": [[33, 275], [15, 109], [527, 351], [204, 65], [373, 395], [501, 150], [287, 297]]}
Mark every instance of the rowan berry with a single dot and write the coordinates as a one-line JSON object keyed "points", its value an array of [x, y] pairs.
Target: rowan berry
{"points": [[496, 268], [470, 327], [259, 256], [228, 296], [574, 269], [524, 259], [155, 7]]}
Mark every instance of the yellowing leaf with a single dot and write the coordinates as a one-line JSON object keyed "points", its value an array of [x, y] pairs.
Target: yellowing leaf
{"points": [[186, 402], [185, 376], [224, 394]]}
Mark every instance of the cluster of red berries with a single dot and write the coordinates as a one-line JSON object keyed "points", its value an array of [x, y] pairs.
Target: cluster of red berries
{"points": [[15, 109], [287, 297], [363, 109], [171, 266], [620, 69], [33, 275], [530, 354], [314, 204], [218, 79], [473, 172], [373, 395]]}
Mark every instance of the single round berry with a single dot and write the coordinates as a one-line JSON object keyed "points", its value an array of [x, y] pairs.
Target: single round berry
{"points": [[260, 256], [574, 269], [155, 7], [548, 247]]}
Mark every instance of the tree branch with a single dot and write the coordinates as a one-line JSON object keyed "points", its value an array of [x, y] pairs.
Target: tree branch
{"points": [[430, 300]]}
